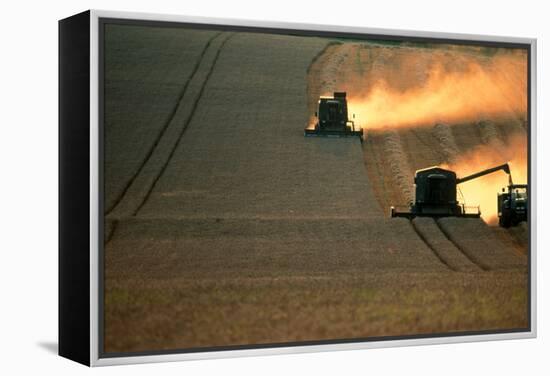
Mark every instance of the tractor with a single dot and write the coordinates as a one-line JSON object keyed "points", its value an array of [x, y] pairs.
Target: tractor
{"points": [[512, 205]]}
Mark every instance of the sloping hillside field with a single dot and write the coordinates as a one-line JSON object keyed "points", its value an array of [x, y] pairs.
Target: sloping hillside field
{"points": [[225, 226]]}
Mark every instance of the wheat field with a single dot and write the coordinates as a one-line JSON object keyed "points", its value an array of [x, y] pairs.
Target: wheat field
{"points": [[225, 226]]}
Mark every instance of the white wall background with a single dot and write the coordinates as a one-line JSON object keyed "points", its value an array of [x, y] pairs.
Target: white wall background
{"points": [[28, 188]]}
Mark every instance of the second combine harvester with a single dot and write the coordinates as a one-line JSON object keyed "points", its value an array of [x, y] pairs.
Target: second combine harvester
{"points": [[435, 193]]}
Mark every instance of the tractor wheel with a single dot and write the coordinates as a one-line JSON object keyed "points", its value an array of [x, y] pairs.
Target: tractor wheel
{"points": [[504, 221]]}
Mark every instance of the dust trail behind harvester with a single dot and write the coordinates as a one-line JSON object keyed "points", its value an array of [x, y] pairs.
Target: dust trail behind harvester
{"points": [[412, 87], [442, 87], [482, 192]]}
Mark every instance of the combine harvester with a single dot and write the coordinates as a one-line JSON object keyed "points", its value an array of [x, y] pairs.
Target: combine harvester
{"points": [[435, 194], [332, 119]]}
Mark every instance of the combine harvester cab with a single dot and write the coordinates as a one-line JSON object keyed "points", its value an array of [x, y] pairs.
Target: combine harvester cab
{"points": [[512, 205], [435, 194], [332, 119]]}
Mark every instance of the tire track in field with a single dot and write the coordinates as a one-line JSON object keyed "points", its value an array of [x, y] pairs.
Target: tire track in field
{"points": [[473, 259], [430, 245], [482, 245], [110, 233], [441, 242], [479, 243], [185, 125], [486, 253], [169, 120], [445, 250]]}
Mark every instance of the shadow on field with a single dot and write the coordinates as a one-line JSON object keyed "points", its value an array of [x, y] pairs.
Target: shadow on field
{"points": [[51, 347]]}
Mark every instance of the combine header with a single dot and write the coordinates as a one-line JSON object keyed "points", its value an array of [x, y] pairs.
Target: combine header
{"points": [[332, 119], [435, 194]]}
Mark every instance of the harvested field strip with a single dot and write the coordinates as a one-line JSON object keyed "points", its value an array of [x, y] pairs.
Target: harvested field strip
{"points": [[314, 85], [187, 121], [321, 53], [480, 244], [164, 127], [467, 137], [444, 135], [446, 251], [421, 147], [323, 78], [510, 128], [323, 72], [378, 162], [330, 70], [427, 144], [399, 164], [490, 134], [150, 172], [372, 165]]}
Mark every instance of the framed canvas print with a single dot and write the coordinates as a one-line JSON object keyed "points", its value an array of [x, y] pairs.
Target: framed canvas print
{"points": [[233, 188]]}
